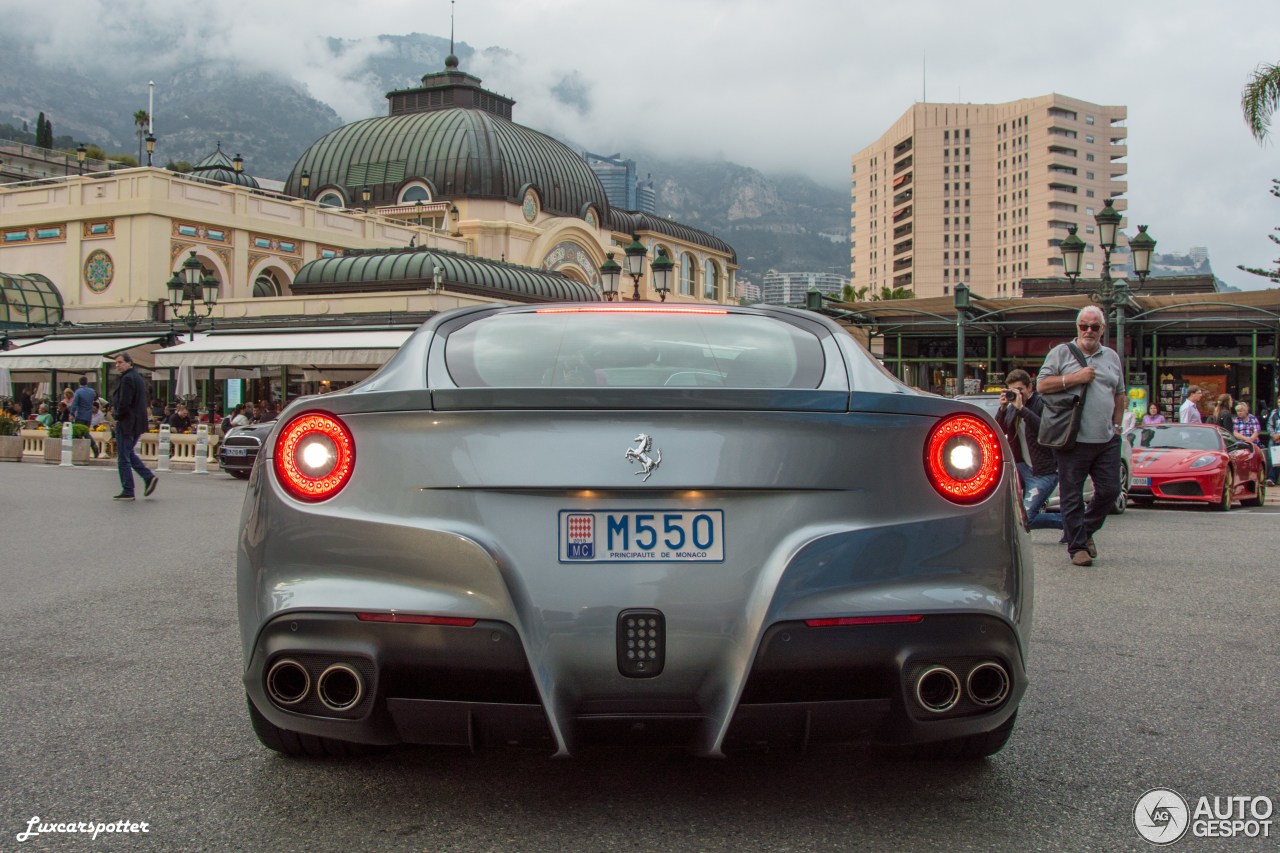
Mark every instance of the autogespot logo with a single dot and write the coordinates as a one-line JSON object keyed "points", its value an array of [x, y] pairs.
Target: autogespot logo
{"points": [[1161, 816]]}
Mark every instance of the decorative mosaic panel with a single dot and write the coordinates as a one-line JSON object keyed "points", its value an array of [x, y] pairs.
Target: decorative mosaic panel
{"points": [[104, 228], [591, 218], [99, 270], [50, 232], [328, 252], [22, 235], [570, 253], [195, 231], [274, 244], [38, 234], [530, 206]]}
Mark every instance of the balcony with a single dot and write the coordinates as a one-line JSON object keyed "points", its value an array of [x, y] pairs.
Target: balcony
{"points": [[904, 264], [1063, 188], [1063, 150], [904, 246], [902, 213], [1116, 150], [902, 147], [1063, 132], [902, 166], [1060, 113], [902, 181], [1054, 168], [901, 231], [1062, 205], [902, 280], [902, 197]]}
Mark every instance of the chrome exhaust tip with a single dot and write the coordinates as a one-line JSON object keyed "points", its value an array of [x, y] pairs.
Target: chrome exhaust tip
{"points": [[937, 689], [340, 687], [287, 682], [988, 684]]}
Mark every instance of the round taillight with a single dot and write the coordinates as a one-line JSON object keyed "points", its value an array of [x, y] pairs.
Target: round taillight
{"points": [[962, 458], [314, 456]]}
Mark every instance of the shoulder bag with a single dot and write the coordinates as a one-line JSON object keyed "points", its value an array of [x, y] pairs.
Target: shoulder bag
{"points": [[1060, 419]]}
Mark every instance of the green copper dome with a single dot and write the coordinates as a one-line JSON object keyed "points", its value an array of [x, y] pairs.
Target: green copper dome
{"points": [[459, 140]]}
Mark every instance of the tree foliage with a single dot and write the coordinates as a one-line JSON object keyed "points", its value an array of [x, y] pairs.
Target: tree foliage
{"points": [[1260, 98], [141, 120]]}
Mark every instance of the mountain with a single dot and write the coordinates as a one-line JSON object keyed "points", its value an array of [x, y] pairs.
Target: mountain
{"points": [[773, 221]]}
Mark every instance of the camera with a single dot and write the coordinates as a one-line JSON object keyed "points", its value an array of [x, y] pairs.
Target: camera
{"points": [[1007, 396]]}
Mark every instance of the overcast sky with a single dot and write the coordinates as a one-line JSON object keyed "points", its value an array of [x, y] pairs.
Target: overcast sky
{"points": [[787, 86]]}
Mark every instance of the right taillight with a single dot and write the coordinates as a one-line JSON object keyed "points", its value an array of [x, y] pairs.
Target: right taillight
{"points": [[314, 456], [962, 459]]}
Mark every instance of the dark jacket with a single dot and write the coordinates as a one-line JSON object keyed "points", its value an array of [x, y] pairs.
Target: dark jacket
{"points": [[129, 403], [1042, 459]]}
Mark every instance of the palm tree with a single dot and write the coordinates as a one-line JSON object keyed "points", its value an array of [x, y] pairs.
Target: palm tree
{"points": [[141, 119], [1260, 98]]}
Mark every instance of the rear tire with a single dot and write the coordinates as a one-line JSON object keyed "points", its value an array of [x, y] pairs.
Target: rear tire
{"points": [[239, 475], [286, 742], [1224, 500], [1259, 494], [970, 748]]}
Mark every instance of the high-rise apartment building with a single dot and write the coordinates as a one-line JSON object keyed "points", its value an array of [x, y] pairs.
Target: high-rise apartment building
{"points": [[622, 185], [789, 288], [984, 194]]}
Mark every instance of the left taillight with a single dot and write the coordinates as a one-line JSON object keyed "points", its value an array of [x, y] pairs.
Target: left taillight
{"points": [[314, 456], [962, 458]]}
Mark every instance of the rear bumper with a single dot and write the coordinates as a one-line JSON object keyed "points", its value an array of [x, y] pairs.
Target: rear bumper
{"points": [[473, 686]]}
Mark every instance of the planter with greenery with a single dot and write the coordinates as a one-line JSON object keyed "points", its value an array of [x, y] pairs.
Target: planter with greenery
{"points": [[10, 440], [79, 445]]}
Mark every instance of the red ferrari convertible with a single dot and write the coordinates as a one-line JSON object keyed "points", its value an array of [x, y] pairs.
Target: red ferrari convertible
{"points": [[1195, 462]]}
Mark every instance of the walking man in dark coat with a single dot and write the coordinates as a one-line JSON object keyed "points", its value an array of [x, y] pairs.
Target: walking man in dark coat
{"points": [[129, 402]]}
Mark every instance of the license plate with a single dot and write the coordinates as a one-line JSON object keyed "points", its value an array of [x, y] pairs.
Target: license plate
{"points": [[235, 451], [1140, 481], [642, 536]]}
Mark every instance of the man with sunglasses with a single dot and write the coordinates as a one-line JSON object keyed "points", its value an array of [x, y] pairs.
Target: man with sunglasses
{"points": [[1096, 453]]}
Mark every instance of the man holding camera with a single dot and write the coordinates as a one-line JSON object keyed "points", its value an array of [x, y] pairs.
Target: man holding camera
{"points": [[1019, 417]]}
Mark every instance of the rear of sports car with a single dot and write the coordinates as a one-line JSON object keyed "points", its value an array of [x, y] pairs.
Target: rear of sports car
{"points": [[714, 528]]}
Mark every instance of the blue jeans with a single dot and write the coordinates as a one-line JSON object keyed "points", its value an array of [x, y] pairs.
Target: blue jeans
{"points": [[1101, 461], [1035, 491], [127, 462]]}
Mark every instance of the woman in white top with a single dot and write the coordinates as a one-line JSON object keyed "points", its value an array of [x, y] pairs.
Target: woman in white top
{"points": [[238, 419]]}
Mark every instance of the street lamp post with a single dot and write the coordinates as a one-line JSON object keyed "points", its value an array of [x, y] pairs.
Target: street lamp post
{"points": [[151, 147], [660, 271], [962, 303], [365, 195], [1110, 293], [81, 151], [304, 181], [187, 285]]}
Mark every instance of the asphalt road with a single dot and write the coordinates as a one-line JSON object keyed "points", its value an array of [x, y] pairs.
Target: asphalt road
{"points": [[1158, 667]]}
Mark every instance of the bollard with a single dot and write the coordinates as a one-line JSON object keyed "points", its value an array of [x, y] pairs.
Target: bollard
{"points": [[163, 448], [202, 449], [68, 435]]}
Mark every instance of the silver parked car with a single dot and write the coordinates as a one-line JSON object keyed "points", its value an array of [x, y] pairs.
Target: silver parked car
{"points": [[717, 527]]}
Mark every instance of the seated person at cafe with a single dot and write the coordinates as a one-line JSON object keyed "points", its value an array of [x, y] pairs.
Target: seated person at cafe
{"points": [[43, 417], [180, 421]]}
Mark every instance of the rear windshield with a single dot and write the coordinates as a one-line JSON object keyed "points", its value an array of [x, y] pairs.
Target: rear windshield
{"points": [[633, 349]]}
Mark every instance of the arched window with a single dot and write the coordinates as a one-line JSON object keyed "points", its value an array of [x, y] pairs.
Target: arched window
{"points": [[415, 192], [688, 274], [266, 285], [710, 281], [331, 198]]}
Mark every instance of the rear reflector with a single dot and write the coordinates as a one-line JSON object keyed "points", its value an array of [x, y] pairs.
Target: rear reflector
{"points": [[862, 620], [414, 619]]}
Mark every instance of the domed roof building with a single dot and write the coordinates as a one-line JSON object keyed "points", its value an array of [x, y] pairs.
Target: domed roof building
{"points": [[218, 167], [458, 140], [448, 155]]}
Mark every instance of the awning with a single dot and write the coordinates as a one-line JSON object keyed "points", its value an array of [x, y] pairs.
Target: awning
{"points": [[275, 349], [67, 353]]}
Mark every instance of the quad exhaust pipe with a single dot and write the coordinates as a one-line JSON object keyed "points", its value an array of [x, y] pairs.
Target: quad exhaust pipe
{"points": [[288, 682], [938, 688], [340, 687], [988, 684]]}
